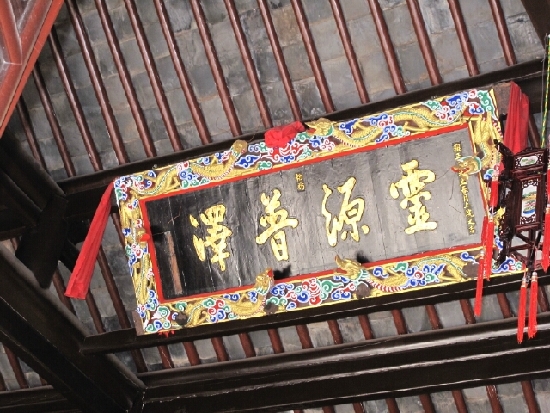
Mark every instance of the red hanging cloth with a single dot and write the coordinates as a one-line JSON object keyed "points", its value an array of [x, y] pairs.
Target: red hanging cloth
{"points": [[517, 121], [79, 283], [489, 241]]}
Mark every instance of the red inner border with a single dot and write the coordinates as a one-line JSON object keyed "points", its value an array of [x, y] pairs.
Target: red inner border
{"points": [[152, 250]]}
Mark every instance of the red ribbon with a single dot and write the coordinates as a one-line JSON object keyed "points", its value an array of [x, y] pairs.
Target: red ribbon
{"points": [[480, 272], [489, 235], [517, 122], [279, 136], [79, 283]]}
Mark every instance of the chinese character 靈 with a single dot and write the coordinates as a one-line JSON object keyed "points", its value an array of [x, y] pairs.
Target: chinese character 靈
{"points": [[411, 185]]}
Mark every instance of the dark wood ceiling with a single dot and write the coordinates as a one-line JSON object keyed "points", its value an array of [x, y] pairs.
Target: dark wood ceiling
{"points": [[121, 85]]}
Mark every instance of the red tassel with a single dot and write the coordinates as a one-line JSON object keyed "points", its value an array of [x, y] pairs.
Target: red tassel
{"points": [[521, 308], [532, 328], [81, 276], [480, 272], [545, 260], [489, 238], [479, 285]]}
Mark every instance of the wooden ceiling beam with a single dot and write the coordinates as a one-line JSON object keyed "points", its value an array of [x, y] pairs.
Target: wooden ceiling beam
{"points": [[127, 339], [34, 197], [390, 367], [41, 399], [539, 14], [26, 173], [40, 247], [16, 200], [11, 225], [48, 338]]}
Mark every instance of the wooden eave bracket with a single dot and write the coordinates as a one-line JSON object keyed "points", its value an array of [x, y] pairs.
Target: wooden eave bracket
{"points": [[48, 338]]}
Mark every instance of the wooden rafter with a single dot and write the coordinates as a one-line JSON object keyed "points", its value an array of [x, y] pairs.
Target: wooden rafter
{"points": [[392, 367], [83, 192]]}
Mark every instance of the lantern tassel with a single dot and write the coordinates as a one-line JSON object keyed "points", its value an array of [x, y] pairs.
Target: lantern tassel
{"points": [[521, 308], [532, 327]]}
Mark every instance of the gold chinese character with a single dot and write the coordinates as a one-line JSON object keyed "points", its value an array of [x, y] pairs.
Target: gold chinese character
{"points": [[411, 186], [350, 214], [217, 235], [300, 186], [274, 222]]}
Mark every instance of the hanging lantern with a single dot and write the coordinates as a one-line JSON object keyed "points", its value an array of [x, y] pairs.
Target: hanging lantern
{"points": [[528, 189], [524, 223], [525, 201]]}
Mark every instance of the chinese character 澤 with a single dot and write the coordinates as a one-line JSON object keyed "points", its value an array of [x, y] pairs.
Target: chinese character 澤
{"points": [[217, 235], [350, 214], [411, 185], [275, 220]]}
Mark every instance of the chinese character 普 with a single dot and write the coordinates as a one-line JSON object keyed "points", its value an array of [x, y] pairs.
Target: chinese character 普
{"points": [[411, 185], [274, 221], [217, 235]]}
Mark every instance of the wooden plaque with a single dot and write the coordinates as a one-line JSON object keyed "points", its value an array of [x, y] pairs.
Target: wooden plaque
{"points": [[383, 204]]}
